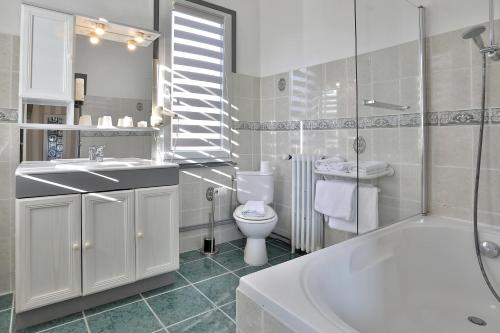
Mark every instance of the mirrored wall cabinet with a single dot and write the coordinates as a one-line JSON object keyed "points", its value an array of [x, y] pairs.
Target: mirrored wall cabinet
{"points": [[56, 46]]}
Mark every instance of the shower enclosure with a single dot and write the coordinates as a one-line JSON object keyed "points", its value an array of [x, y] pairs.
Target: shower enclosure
{"points": [[390, 108]]}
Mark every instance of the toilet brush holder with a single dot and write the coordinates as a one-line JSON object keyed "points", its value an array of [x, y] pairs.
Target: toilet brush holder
{"points": [[209, 248]]}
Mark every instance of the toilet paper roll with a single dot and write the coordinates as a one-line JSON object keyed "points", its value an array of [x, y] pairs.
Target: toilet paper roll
{"points": [[265, 167]]}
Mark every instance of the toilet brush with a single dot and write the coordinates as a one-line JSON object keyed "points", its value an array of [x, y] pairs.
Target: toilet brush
{"points": [[209, 248]]}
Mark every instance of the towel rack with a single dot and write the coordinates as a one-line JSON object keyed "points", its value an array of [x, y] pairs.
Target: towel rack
{"points": [[381, 105], [386, 173]]}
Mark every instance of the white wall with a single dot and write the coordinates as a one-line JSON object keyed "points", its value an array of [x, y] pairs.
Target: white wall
{"points": [[300, 33]]}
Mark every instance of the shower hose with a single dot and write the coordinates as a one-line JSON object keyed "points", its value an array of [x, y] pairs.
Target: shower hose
{"points": [[476, 184]]}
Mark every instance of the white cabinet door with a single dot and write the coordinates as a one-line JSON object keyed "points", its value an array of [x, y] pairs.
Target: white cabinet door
{"points": [[46, 55], [108, 240], [48, 264], [157, 230]]}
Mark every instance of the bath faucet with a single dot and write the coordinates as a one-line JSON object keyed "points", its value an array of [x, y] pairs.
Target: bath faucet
{"points": [[96, 153]]}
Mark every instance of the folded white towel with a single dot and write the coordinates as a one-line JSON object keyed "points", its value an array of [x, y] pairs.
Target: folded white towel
{"points": [[336, 199], [254, 208], [337, 163], [369, 167], [367, 210]]}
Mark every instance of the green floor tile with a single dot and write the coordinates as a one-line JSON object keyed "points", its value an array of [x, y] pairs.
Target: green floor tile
{"points": [[230, 309], [231, 260], [211, 322], [133, 318], [179, 282], [190, 256], [221, 289], [274, 251], [112, 305], [279, 243], [250, 269], [52, 323], [283, 258], [5, 320], [5, 302], [73, 327], [224, 247], [239, 242], [201, 270], [179, 304]]}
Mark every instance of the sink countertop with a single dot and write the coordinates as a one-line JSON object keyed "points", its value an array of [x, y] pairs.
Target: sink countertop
{"points": [[85, 165]]}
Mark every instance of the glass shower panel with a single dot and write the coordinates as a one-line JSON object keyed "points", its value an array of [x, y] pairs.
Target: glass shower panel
{"points": [[389, 113]]}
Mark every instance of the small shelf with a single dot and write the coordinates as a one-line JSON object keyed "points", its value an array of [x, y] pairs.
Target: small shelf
{"points": [[63, 127], [353, 175]]}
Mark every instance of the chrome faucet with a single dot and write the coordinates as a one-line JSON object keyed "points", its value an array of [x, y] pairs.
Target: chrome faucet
{"points": [[96, 153]]}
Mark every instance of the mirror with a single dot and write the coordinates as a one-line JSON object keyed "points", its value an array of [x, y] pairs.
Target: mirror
{"points": [[119, 85], [113, 74]]}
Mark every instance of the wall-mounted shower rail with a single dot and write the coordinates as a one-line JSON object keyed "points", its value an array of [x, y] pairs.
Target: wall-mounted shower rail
{"points": [[381, 105]]}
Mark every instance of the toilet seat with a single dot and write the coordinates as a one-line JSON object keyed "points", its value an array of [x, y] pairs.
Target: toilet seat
{"points": [[269, 215]]}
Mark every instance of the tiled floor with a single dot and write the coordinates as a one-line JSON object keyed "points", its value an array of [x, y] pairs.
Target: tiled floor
{"points": [[202, 300]]}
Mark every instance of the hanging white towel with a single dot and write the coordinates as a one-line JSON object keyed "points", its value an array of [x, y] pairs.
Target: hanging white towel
{"points": [[367, 210], [254, 208], [336, 199]]}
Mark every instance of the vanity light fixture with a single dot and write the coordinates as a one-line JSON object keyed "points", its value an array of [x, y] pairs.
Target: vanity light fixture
{"points": [[139, 37], [131, 45], [100, 29], [94, 39]]}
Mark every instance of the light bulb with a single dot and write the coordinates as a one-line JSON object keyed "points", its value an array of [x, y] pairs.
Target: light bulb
{"points": [[139, 37], [100, 29], [93, 38], [131, 45]]}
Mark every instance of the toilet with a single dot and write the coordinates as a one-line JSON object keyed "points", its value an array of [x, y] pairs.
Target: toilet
{"points": [[255, 186]]}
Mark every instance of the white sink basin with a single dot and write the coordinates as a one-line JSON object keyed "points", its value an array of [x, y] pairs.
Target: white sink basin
{"points": [[85, 165]]}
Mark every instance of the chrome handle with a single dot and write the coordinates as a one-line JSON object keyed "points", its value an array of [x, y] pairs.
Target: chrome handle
{"points": [[489, 249], [140, 235], [76, 246], [87, 245]]}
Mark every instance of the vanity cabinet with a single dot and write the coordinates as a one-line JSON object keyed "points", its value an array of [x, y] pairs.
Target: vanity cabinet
{"points": [[81, 244], [48, 251], [108, 240], [46, 56], [157, 230]]}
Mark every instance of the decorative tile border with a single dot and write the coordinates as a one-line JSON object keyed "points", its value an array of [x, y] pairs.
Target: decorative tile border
{"points": [[443, 118], [87, 134], [8, 115]]}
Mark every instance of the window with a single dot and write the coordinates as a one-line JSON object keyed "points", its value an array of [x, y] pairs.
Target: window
{"points": [[200, 62]]}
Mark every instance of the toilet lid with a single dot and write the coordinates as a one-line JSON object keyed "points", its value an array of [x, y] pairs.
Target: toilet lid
{"points": [[268, 214]]}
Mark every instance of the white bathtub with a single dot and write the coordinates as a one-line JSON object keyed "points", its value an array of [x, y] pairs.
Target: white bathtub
{"points": [[420, 275]]}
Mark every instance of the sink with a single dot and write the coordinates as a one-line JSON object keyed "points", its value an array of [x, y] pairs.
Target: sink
{"points": [[58, 177], [85, 165]]}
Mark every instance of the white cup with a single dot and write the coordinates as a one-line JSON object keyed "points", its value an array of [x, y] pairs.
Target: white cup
{"points": [[107, 122], [142, 124], [85, 120], [128, 122], [120, 122], [99, 122]]}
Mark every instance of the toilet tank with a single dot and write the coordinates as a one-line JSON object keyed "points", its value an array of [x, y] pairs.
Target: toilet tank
{"points": [[255, 186]]}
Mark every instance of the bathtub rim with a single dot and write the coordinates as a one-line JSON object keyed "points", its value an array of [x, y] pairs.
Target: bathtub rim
{"points": [[315, 321]]}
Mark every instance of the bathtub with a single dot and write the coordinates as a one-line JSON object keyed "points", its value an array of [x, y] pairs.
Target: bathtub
{"points": [[419, 275]]}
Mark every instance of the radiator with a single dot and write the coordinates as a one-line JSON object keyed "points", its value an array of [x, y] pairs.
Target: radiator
{"points": [[307, 224]]}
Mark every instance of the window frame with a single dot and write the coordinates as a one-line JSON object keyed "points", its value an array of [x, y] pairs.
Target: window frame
{"points": [[229, 22]]}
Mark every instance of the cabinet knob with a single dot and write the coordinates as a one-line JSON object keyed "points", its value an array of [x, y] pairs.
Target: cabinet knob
{"points": [[87, 245], [140, 235], [76, 246]]}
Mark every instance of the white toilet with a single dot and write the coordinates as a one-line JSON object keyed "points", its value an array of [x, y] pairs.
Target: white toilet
{"points": [[255, 186]]}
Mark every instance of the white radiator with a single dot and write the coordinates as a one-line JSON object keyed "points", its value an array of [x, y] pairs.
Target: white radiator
{"points": [[307, 224]]}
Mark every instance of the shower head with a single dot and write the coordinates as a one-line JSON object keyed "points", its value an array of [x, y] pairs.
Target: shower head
{"points": [[475, 34]]}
